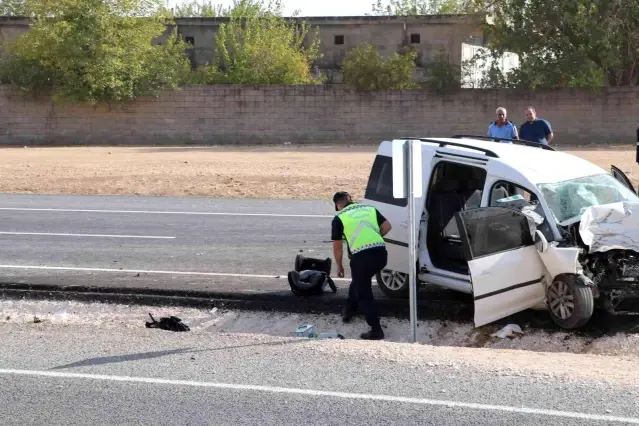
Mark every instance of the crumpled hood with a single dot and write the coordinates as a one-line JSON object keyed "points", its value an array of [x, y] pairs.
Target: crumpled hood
{"points": [[611, 227]]}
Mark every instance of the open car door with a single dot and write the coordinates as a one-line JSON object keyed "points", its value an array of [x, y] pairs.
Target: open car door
{"points": [[506, 270], [621, 177]]}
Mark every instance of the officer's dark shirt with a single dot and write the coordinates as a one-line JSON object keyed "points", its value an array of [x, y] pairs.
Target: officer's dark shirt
{"points": [[337, 232]]}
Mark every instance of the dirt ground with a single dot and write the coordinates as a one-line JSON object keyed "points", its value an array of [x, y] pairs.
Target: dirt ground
{"points": [[284, 171]]}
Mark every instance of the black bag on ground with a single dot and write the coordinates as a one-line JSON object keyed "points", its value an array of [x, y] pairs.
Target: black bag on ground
{"points": [[303, 263], [310, 282], [167, 323]]}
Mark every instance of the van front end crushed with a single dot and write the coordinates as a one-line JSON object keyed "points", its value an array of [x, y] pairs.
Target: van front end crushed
{"points": [[608, 236], [616, 275]]}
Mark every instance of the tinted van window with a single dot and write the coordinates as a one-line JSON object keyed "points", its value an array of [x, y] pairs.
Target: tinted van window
{"points": [[380, 183]]}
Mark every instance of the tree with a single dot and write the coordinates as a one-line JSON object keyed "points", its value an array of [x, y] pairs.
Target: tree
{"points": [[569, 43], [259, 46], [364, 69], [13, 8], [425, 7], [95, 50], [206, 9]]}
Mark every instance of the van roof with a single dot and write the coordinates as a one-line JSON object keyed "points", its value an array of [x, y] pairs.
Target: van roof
{"points": [[535, 164]]}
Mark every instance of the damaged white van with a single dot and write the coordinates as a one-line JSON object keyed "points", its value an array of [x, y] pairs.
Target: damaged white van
{"points": [[514, 225]]}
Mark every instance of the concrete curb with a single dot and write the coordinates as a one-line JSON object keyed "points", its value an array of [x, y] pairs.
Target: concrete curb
{"points": [[458, 311], [283, 301]]}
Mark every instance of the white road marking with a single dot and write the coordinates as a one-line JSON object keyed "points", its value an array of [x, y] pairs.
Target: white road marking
{"points": [[144, 271], [330, 394], [165, 212], [87, 235]]}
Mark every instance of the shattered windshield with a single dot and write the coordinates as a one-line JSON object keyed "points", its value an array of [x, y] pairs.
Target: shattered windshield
{"points": [[570, 198]]}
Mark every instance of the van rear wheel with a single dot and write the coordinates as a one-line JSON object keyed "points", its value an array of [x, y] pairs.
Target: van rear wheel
{"points": [[393, 284]]}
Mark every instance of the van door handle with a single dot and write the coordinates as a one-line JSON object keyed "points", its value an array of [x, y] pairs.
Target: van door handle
{"points": [[404, 224]]}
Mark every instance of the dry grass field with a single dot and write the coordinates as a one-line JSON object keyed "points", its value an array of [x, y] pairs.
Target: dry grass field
{"points": [[264, 172]]}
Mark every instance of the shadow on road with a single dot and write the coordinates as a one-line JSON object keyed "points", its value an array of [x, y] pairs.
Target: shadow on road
{"points": [[157, 354]]}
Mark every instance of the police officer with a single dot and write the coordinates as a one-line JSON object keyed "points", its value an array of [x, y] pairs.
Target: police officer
{"points": [[363, 227]]}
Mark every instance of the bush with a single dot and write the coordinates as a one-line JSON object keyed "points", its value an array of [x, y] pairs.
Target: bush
{"points": [[364, 69], [259, 46], [443, 77]]}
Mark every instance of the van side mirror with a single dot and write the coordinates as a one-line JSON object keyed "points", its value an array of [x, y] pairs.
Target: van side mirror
{"points": [[541, 242]]}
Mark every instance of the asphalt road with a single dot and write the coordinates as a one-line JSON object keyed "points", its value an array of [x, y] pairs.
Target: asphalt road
{"points": [[174, 236], [153, 377]]}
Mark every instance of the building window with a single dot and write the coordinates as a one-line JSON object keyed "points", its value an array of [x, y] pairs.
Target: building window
{"points": [[190, 40], [415, 38], [339, 39]]}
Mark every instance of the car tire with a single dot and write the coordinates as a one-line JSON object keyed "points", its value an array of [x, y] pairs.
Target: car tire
{"points": [[570, 302], [393, 284]]}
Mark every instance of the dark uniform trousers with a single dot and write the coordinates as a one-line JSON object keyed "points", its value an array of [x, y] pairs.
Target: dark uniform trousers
{"points": [[364, 266]]}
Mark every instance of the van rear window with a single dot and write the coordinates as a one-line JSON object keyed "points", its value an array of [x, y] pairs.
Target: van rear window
{"points": [[380, 183]]}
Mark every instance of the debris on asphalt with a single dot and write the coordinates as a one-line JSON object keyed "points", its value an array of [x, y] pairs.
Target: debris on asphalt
{"points": [[508, 331], [311, 276], [310, 283], [168, 323], [308, 330]]}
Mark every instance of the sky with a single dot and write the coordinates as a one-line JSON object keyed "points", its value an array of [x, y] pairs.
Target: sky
{"points": [[318, 7]]}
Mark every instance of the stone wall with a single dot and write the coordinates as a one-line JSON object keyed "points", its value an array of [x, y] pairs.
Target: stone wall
{"points": [[310, 114]]}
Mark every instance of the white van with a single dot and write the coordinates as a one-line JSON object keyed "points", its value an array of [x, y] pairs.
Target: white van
{"points": [[501, 222]]}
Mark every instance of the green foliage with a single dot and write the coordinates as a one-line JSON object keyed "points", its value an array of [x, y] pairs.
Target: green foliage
{"points": [[364, 69], [569, 43], [259, 46], [426, 7], [195, 9], [13, 8], [94, 50], [443, 77]]}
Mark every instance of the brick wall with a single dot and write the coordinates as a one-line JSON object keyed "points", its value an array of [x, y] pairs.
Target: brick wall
{"points": [[234, 114]]}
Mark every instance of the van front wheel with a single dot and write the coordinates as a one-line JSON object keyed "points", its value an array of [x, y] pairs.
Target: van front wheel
{"points": [[393, 284], [571, 303]]}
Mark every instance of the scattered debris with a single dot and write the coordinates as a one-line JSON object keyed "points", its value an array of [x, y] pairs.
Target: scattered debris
{"points": [[508, 331], [168, 323], [308, 330], [311, 276], [330, 335], [305, 330], [310, 283]]}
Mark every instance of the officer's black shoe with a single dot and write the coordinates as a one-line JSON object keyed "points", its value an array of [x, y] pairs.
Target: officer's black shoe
{"points": [[373, 335], [347, 314]]}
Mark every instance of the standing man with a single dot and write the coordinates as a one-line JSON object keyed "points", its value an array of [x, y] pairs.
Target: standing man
{"points": [[536, 129], [502, 128], [363, 227]]}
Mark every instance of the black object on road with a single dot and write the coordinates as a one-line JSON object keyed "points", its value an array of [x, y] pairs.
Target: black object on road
{"points": [[303, 263], [310, 283], [311, 276], [168, 323]]}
